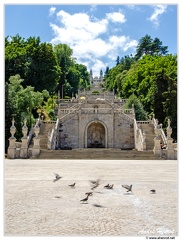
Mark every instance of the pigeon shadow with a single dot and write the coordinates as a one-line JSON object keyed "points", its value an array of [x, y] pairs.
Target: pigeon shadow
{"points": [[128, 193], [98, 205]]}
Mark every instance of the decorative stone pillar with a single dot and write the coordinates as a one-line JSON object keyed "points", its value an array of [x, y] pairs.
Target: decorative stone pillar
{"points": [[24, 145], [170, 148], [12, 141], [36, 141]]}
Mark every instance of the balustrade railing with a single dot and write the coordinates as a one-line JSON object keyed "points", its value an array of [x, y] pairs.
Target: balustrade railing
{"points": [[53, 135], [139, 139], [143, 122], [30, 135], [160, 130]]}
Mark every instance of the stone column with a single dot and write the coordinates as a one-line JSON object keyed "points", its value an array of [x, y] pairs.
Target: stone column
{"points": [[170, 148], [36, 140], [24, 145], [12, 142]]}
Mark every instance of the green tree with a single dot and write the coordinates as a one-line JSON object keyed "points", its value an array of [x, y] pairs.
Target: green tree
{"points": [[73, 75], [34, 61], [148, 46], [20, 102], [44, 71], [15, 56], [110, 80], [65, 61], [140, 113]]}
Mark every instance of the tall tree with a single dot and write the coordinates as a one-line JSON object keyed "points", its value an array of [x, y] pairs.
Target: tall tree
{"points": [[15, 56], [44, 71], [117, 60], [148, 46], [65, 61], [34, 61]]}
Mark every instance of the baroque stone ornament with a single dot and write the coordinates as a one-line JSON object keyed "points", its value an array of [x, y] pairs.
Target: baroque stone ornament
{"points": [[36, 130], [169, 129], [13, 128], [25, 129]]}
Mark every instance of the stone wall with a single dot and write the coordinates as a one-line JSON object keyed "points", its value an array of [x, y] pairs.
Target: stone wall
{"points": [[117, 129], [123, 132]]}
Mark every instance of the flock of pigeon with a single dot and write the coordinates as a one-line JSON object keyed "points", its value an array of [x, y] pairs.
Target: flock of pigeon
{"points": [[95, 184]]}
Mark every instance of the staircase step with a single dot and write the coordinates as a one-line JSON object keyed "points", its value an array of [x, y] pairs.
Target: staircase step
{"points": [[97, 154]]}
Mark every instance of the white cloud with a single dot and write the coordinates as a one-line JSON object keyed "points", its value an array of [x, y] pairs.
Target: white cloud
{"points": [[158, 10], [52, 11], [131, 44], [118, 41], [97, 66], [116, 17], [90, 38], [81, 22]]}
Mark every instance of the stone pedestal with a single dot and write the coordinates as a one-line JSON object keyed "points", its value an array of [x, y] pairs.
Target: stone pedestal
{"points": [[24, 148], [36, 141], [12, 148], [36, 147], [157, 146], [170, 149], [12, 141]]}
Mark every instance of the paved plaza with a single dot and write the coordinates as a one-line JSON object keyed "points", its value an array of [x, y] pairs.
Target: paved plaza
{"points": [[34, 205]]}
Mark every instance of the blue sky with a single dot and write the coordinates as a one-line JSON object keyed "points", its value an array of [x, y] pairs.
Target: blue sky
{"points": [[96, 33]]}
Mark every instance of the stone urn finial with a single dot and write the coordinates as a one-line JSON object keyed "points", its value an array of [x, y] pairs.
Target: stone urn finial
{"points": [[13, 128], [169, 129], [169, 123], [36, 129]]}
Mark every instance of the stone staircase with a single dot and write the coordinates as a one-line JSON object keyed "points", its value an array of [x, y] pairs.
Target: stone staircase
{"points": [[97, 153], [45, 127], [150, 135]]}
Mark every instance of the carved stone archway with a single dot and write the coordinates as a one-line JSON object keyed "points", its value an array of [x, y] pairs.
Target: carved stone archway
{"points": [[96, 135]]}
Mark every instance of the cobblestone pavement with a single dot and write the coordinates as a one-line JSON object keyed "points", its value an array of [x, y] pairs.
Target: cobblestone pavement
{"points": [[34, 205]]}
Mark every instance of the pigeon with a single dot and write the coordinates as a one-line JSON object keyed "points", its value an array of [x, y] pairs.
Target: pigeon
{"points": [[57, 177], [129, 188], [72, 185], [84, 199], [153, 191], [110, 186], [95, 181], [95, 186], [89, 193]]}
